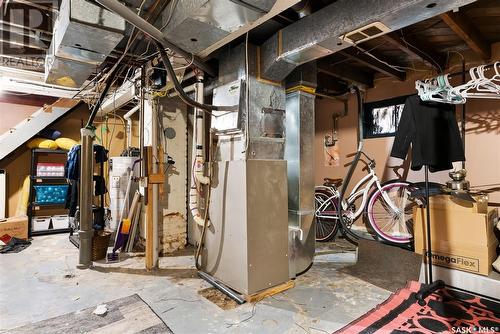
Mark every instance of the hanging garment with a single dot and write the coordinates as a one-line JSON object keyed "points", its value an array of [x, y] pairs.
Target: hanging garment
{"points": [[72, 198], [100, 154], [432, 130], [99, 185], [72, 166]]}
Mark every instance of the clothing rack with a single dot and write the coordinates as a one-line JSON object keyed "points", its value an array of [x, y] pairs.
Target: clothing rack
{"points": [[439, 89], [432, 285], [463, 72]]}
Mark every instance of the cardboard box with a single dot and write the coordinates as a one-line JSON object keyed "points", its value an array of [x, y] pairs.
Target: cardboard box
{"points": [[456, 204], [461, 237], [15, 227]]}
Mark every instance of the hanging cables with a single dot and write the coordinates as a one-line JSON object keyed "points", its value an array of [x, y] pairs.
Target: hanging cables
{"points": [[96, 107], [171, 12], [178, 88]]}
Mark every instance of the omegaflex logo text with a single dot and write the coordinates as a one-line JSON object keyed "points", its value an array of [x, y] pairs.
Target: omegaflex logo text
{"points": [[456, 261]]}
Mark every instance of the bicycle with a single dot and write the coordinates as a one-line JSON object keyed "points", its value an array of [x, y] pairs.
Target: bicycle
{"points": [[389, 207]]}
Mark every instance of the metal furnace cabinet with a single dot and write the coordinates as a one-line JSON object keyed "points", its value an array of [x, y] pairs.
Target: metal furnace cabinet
{"points": [[246, 245]]}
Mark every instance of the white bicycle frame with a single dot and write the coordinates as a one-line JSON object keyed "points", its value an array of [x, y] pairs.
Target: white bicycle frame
{"points": [[369, 180]]}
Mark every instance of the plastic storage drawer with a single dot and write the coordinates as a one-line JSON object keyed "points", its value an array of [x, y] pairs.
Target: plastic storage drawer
{"points": [[53, 194], [40, 223], [60, 221], [49, 169]]}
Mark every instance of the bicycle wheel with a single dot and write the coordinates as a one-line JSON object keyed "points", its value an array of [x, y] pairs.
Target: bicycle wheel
{"points": [[388, 224], [326, 228]]}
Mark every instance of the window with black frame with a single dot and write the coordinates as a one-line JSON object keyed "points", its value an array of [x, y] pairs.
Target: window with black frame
{"points": [[381, 118]]}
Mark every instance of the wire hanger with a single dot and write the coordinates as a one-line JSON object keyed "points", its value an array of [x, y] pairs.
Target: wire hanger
{"points": [[480, 86]]}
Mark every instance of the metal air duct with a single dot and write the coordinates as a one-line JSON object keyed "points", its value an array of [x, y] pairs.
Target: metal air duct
{"points": [[195, 25], [338, 26], [300, 166], [84, 35]]}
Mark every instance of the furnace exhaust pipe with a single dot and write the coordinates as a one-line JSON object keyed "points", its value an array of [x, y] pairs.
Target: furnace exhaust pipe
{"points": [[198, 156]]}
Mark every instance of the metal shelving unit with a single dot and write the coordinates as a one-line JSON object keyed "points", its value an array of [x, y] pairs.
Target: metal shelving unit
{"points": [[36, 209]]}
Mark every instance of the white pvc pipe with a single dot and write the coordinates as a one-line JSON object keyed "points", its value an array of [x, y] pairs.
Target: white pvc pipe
{"points": [[200, 135], [131, 112], [129, 124], [197, 157]]}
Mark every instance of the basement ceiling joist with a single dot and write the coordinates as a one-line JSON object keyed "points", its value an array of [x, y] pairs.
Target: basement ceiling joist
{"points": [[468, 32], [373, 62], [346, 73], [417, 49], [20, 40]]}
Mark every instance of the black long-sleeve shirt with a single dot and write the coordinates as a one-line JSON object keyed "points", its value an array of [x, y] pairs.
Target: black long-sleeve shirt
{"points": [[432, 130]]}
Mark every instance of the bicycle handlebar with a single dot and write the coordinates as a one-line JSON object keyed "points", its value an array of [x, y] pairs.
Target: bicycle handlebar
{"points": [[348, 164], [370, 163], [362, 152]]}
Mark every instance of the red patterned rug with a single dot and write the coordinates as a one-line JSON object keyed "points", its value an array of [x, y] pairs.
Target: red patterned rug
{"points": [[446, 311]]}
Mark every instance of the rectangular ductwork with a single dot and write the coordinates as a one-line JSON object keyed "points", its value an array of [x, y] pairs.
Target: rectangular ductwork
{"points": [[84, 35], [195, 25], [340, 25]]}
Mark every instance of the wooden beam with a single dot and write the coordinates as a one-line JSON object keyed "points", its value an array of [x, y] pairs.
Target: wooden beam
{"points": [[34, 4], [31, 100], [373, 63], [417, 49], [22, 26], [24, 32], [469, 33], [19, 41], [346, 73], [329, 84]]}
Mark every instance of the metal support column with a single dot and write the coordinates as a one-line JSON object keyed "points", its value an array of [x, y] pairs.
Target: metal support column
{"points": [[154, 170], [299, 156], [86, 173]]}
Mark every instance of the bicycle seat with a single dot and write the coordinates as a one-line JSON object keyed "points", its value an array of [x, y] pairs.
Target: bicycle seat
{"points": [[332, 182]]}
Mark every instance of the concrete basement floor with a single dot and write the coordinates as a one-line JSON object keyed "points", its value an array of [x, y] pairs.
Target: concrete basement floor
{"points": [[42, 282]]}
